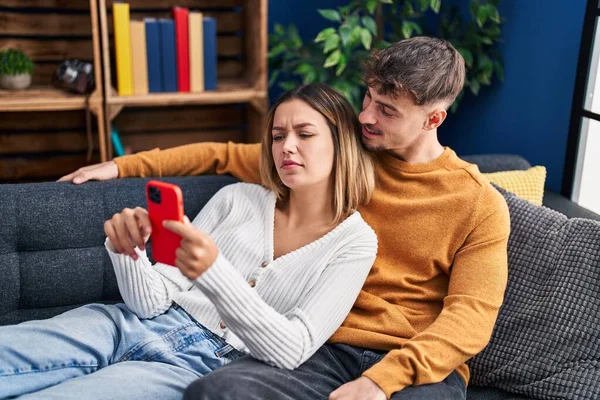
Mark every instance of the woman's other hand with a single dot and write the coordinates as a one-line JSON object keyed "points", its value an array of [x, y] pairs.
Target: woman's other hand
{"points": [[128, 229], [197, 251]]}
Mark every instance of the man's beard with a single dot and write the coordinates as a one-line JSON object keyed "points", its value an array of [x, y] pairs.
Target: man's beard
{"points": [[372, 146]]}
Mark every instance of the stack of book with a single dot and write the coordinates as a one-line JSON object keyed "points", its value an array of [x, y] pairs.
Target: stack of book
{"points": [[165, 55]]}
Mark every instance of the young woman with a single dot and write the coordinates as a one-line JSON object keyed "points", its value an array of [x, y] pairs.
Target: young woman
{"points": [[268, 270]]}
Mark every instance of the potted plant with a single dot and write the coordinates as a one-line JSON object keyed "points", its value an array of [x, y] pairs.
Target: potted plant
{"points": [[356, 28], [15, 69]]}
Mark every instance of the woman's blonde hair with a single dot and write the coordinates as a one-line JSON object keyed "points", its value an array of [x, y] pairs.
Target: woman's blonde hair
{"points": [[354, 178]]}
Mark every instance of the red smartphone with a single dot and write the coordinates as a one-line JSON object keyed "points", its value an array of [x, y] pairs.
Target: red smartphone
{"points": [[165, 202]]}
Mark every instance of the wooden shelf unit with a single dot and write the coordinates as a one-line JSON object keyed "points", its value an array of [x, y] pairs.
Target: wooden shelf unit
{"points": [[49, 31], [242, 74], [49, 36]]}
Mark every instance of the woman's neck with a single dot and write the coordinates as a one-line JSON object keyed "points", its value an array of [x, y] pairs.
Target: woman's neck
{"points": [[309, 207]]}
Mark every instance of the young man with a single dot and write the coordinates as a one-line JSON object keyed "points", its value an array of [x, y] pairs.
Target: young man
{"points": [[432, 297]]}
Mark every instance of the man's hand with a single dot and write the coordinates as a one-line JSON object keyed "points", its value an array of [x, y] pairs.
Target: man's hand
{"points": [[359, 389], [197, 251], [99, 172]]}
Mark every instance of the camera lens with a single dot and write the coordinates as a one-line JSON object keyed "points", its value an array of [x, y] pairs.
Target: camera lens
{"points": [[154, 195]]}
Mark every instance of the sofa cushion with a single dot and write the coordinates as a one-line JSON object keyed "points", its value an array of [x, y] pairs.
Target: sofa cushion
{"points": [[527, 184], [546, 342]]}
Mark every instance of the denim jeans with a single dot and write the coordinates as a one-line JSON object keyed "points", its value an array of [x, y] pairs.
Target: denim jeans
{"points": [[329, 368], [107, 352]]}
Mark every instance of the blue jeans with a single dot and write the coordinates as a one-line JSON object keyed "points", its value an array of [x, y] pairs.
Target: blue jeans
{"points": [[329, 368], [107, 352]]}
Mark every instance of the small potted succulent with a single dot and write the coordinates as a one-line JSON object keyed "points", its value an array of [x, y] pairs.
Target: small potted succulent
{"points": [[15, 69]]}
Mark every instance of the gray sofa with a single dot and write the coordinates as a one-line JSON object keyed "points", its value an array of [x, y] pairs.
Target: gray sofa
{"points": [[52, 256]]}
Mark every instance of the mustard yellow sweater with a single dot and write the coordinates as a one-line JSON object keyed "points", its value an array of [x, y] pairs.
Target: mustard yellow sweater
{"points": [[433, 294]]}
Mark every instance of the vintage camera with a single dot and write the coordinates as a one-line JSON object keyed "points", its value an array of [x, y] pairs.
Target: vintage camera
{"points": [[75, 76]]}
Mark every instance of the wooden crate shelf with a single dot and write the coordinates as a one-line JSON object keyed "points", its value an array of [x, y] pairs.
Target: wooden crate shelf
{"points": [[51, 31], [43, 98], [227, 92], [242, 68]]}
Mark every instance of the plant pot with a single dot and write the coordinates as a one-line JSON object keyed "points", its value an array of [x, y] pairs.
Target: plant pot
{"points": [[15, 82]]}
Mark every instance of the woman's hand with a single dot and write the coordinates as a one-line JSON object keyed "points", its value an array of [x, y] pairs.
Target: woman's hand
{"points": [[127, 229], [197, 251]]}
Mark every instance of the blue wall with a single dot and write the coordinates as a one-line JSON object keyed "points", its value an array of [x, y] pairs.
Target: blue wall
{"points": [[527, 114]]}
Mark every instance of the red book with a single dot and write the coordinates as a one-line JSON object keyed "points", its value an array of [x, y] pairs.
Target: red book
{"points": [[182, 46]]}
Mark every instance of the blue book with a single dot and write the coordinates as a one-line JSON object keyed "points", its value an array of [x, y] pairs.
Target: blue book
{"points": [[169, 58], [210, 53], [116, 141], [155, 79]]}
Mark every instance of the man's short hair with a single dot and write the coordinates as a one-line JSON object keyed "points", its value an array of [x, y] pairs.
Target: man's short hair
{"points": [[430, 70]]}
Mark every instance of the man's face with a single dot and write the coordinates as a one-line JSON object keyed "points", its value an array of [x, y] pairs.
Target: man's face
{"points": [[393, 124]]}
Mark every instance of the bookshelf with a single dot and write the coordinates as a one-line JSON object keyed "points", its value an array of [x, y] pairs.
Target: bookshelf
{"points": [[49, 31], [234, 111]]}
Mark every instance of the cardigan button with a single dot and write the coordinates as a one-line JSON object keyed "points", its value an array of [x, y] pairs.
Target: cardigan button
{"points": [[252, 283], [264, 264], [222, 325]]}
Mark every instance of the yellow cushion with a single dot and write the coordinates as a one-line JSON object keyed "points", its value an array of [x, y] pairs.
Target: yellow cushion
{"points": [[527, 184]]}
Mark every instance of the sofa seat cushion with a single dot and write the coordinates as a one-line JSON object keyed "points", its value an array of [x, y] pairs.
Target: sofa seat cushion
{"points": [[546, 342]]}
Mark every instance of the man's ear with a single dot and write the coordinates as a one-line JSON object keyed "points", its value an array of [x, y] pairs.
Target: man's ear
{"points": [[435, 118]]}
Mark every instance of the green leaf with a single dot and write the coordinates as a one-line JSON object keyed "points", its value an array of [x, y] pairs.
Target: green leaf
{"points": [[355, 36], [493, 14], [423, 5], [287, 85], [277, 50], [333, 59], [370, 24], [499, 69], [416, 27], [274, 75], [366, 38], [386, 1], [324, 34], [341, 65], [493, 31], [406, 30], [304, 69], [279, 29], [475, 86], [345, 32], [467, 55], [371, 6], [473, 7], [482, 16], [435, 5], [486, 40], [331, 15], [331, 43]]}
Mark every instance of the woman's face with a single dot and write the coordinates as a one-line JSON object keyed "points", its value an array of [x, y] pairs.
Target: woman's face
{"points": [[303, 150]]}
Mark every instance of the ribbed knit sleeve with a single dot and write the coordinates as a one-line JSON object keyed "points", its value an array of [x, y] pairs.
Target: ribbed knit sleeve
{"points": [[286, 341], [144, 289], [239, 160]]}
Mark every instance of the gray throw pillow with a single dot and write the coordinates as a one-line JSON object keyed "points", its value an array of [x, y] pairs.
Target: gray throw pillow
{"points": [[546, 342]]}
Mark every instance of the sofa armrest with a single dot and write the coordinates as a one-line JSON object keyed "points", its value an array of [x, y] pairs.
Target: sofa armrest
{"points": [[567, 207]]}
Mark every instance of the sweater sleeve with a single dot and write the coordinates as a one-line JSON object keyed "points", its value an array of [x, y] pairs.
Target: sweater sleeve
{"points": [[464, 327], [148, 290], [286, 341], [239, 160]]}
